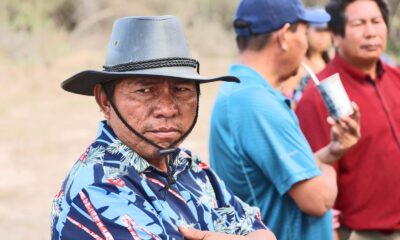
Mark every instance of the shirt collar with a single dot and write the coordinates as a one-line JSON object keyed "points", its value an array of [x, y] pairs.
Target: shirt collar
{"points": [[247, 76], [120, 152], [355, 72]]}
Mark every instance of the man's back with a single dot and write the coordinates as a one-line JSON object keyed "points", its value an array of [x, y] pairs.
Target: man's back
{"points": [[256, 146]]}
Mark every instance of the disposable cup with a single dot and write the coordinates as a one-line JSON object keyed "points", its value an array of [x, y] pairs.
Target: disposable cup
{"points": [[335, 97]]}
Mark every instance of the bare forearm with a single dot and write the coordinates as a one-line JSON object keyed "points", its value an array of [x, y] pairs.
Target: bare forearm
{"points": [[194, 234], [328, 176], [315, 196], [261, 235], [327, 156]]}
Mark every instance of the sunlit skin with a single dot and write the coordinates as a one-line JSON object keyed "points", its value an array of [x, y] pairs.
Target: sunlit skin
{"points": [[319, 39], [297, 47], [365, 35], [162, 110], [319, 42]]}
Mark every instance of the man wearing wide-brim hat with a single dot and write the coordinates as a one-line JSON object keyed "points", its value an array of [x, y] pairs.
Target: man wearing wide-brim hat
{"points": [[133, 181]]}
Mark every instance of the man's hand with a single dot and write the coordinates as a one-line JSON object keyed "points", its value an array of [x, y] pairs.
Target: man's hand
{"points": [[194, 234], [345, 132]]}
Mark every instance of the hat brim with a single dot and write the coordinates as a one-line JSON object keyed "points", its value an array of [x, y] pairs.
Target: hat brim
{"points": [[84, 82], [316, 16]]}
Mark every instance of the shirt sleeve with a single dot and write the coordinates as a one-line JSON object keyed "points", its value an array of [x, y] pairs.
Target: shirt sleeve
{"points": [[267, 134], [103, 211]]}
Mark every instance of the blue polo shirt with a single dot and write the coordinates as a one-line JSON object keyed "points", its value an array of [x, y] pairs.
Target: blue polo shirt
{"points": [[258, 149]]}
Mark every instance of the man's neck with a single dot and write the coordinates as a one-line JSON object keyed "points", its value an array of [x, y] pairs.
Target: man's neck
{"points": [[368, 67], [369, 70], [315, 61], [262, 64], [158, 163]]}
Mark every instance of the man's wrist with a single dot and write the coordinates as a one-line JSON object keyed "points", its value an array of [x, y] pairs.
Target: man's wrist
{"points": [[334, 153]]}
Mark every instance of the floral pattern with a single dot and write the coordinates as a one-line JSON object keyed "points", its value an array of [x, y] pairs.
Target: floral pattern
{"points": [[113, 193]]}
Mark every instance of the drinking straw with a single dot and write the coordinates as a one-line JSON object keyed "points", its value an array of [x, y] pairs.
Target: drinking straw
{"points": [[311, 73]]}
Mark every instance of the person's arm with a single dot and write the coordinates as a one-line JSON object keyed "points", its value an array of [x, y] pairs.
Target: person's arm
{"points": [[344, 134], [95, 214], [317, 195], [237, 219], [194, 234]]}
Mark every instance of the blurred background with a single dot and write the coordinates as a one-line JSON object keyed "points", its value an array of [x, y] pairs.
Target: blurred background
{"points": [[43, 130]]}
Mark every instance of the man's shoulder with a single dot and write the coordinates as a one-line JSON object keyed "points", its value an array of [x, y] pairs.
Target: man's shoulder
{"points": [[331, 68], [392, 70], [87, 170], [246, 94]]}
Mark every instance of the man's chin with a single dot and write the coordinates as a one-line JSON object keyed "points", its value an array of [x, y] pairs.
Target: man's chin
{"points": [[370, 58], [167, 143]]}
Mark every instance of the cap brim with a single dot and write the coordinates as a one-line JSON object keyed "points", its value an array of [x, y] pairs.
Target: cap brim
{"points": [[84, 82], [316, 16]]}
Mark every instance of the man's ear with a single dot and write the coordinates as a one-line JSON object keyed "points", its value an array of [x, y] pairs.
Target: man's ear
{"points": [[282, 36], [102, 100]]}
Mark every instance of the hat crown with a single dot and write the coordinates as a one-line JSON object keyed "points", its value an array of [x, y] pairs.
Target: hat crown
{"points": [[135, 39], [149, 47]]}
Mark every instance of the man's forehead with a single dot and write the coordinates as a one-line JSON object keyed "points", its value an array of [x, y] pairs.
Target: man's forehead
{"points": [[354, 11], [154, 80]]}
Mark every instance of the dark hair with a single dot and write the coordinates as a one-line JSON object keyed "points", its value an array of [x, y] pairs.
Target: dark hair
{"points": [[252, 42], [109, 87], [257, 42], [336, 8]]}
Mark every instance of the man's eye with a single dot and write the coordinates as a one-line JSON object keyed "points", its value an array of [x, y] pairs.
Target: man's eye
{"points": [[377, 20], [144, 90], [356, 23], [182, 89]]}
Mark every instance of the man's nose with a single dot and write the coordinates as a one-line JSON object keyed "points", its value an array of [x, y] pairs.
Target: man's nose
{"points": [[370, 30], [166, 105]]}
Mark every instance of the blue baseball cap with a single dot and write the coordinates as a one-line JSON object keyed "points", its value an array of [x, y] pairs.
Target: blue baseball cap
{"points": [[318, 11], [265, 16]]}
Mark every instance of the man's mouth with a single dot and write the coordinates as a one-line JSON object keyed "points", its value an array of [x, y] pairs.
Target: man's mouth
{"points": [[164, 133], [371, 47]]}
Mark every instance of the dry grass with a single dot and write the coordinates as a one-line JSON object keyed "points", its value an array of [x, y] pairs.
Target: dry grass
{"points": [[43, 129]]}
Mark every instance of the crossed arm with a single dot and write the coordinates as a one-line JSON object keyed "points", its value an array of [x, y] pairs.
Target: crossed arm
{"points": [[194, 234]]}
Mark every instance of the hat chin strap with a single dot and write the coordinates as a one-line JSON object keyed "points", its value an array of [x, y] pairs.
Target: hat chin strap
{"points": [[166, 152]]}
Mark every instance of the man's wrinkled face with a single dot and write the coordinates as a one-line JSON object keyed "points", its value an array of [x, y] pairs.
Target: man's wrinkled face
{"points": [[162, 110], [365, 33]]}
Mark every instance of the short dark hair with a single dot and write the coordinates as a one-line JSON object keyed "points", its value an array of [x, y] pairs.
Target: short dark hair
{"points": [[252, 42], [336, 8], [257, 42]]}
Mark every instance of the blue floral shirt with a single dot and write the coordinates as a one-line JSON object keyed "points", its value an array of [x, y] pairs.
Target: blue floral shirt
{"points": [[113, 193]]}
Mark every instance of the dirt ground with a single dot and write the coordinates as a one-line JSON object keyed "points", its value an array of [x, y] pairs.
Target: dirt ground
{"points": [[43, 130]]}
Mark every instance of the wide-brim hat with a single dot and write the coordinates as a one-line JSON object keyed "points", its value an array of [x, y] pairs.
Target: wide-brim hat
{"points": [[143, 47]]}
